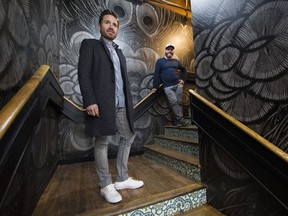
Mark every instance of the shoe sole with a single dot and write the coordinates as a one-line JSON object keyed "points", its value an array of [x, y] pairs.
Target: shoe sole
{"points": [[127, 187]]}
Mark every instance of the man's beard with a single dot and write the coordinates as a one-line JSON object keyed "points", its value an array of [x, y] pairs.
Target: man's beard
{"points": [[107, 36], [169, 55]]}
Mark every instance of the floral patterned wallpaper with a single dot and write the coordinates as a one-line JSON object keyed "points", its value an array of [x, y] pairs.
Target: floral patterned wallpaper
{"points": [[29, 37], [241, 62]]}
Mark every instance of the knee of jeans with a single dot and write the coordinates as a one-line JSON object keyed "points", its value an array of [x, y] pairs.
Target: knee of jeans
{"points": [[101, 145], [129, 139]]}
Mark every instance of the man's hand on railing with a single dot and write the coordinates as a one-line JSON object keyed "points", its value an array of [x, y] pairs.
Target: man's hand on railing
{"points": [[154, 90]]}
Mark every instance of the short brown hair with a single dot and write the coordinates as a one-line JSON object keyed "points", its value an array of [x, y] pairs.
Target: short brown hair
{"points": [[107, 12]]}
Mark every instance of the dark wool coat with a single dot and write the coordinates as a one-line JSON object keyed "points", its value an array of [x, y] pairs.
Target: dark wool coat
{"points": [[97, 84]]}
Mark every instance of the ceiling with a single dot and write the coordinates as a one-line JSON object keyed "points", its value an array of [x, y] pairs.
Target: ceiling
{"points": [[182, 7]]}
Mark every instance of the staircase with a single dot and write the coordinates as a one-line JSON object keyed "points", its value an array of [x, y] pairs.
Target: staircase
{"points": [[178, 149], [169, 167]]}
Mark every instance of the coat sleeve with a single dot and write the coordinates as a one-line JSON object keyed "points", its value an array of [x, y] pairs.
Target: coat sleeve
{"points": [[85, 66]]}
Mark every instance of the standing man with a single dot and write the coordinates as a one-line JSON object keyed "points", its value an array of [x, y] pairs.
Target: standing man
{"points": [[172, 74], [107, 98]]}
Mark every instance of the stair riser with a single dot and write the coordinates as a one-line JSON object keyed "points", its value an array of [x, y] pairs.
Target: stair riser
{"points": [[183, 147], [183, 168], [182, 133], [173, 206]]}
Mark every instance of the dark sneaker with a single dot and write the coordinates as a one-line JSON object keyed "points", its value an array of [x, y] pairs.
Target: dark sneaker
{"points": [[186, 123], [183, 123]]}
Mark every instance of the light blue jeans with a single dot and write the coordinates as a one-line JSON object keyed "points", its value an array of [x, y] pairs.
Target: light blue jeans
{"points": [[174, 96], [125, 138]]}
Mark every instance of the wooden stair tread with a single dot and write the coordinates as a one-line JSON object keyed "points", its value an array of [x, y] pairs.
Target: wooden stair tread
{"points": [[203, 210], [181, 139], [74, 188], [177, 155], [122, 208]]}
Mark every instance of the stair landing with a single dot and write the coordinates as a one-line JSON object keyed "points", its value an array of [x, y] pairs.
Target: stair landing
{"points": [[74, 190]]}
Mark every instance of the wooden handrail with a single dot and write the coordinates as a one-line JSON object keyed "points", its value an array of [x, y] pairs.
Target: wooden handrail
{"points": [[135, 106], [147, 96], [11, 110], [74, 104], [78, 113], [279, 152]]}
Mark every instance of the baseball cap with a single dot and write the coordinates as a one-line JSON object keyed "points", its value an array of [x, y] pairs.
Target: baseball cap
{"points": [[169, 45]]}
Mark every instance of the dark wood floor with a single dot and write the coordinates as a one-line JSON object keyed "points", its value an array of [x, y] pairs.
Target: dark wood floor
{"points": [[74, 190]]}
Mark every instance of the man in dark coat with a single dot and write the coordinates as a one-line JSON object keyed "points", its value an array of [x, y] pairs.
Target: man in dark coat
{"points": [[107, 98]]}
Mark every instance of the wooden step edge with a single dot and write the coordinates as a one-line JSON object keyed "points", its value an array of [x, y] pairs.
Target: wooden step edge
{"points": [[174, 154], [179, 139], [190, 127], [120, 208], [203, 210]]}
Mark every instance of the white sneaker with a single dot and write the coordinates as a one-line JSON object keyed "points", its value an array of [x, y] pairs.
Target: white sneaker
{"points": [[110, 194], [130, 183]]}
